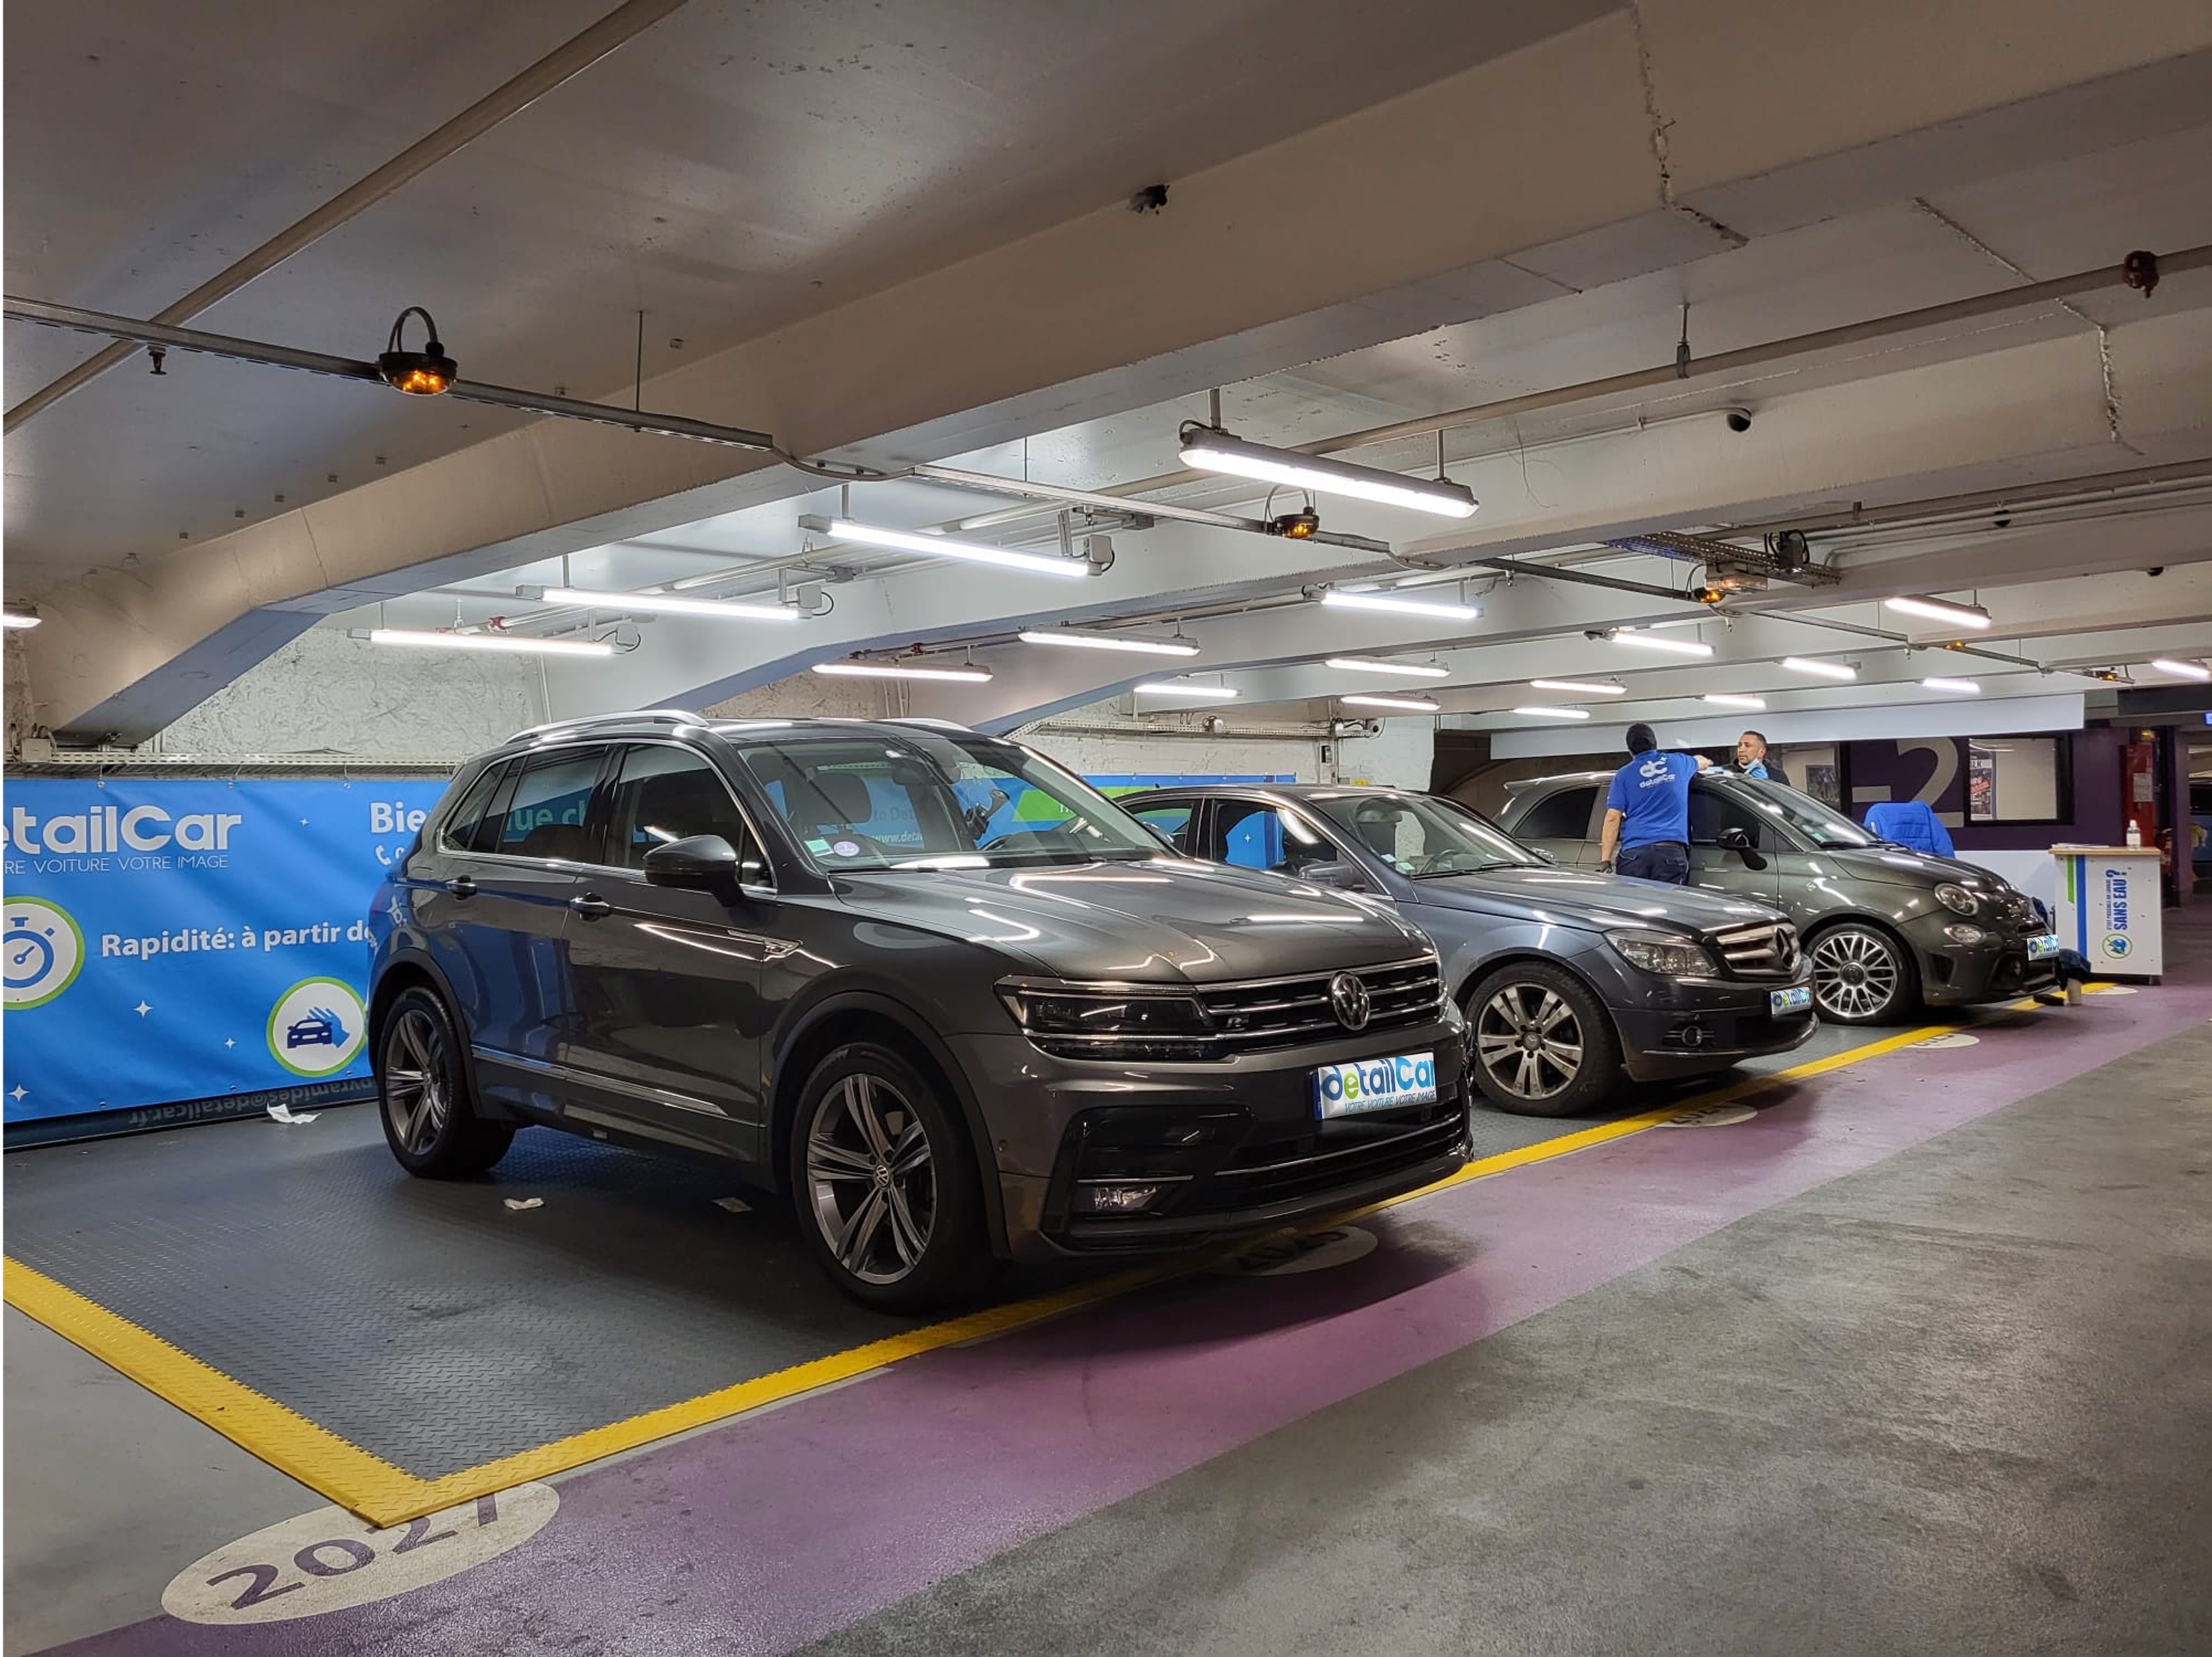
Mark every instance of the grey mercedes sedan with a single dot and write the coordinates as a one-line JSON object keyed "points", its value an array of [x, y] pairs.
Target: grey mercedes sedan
{"points": [[1569, 977]]}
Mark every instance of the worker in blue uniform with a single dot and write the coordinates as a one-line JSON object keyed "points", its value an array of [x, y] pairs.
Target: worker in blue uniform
{"points": [[1647, 812]]}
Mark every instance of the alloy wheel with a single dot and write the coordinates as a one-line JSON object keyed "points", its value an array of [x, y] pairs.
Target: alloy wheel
{"points": [[418, 1097], [871, 1178], [1855, 974], [1529, 1041]]}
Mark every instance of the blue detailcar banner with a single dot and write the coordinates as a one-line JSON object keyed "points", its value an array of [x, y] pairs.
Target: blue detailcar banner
{"points": [[166, 940]]}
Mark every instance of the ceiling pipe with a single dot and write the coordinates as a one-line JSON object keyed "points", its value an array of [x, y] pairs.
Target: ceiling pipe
{"points": [[1097, 501], [564, 63]]}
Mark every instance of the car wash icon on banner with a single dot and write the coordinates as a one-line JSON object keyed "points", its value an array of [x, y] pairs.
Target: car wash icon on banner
{"points": [[41, 950], [316, 1028]]}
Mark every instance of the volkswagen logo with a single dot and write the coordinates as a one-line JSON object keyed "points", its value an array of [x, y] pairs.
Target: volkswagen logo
{"points": [[1347, 999]]}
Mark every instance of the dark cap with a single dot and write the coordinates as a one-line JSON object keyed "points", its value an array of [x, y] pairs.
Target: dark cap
{"points": [[1640, 739]]}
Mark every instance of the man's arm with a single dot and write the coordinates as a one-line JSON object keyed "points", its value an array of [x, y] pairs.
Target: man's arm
{"points": [[1609, 839], [1704, 764]]}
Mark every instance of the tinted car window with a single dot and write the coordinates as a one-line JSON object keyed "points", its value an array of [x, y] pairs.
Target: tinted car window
{"points": [[665, 794], [1712, 812], [468, 816], [1562, 815], [1252, 836], [544, 816], [1421, 836], [1173, 821]]}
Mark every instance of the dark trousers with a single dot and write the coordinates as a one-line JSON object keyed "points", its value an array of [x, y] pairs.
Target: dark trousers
{"points": [[1667, 860]]}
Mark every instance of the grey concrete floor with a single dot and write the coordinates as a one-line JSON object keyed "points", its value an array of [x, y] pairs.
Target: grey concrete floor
{"points": [[1958, 1403]]}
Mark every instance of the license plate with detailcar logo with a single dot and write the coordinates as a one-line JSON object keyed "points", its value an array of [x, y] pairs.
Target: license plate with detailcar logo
{"points": [[1798, 998], [1374, 1084], [2042, 949]]}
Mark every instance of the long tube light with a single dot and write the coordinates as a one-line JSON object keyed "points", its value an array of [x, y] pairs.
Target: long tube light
{"points": [[1402, 670], [1956, 687], [15, 619], [1210, 449], [1673, 646], [518, 644], [1554, 713], [965, 674], [1722, 699], [1209, 693], [2164, 664], [1940, 609], [1812, 667], [946, 546], [1579, 687], [668, 603], [1401, 704], [1435, 609], [1075, 640]]}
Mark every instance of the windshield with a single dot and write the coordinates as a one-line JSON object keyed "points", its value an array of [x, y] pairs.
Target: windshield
{"points": [[1425, 835], [1823, 825], [931, 800]]}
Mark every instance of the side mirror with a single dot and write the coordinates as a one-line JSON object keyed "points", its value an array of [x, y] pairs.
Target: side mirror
{"points": [[1737, 840], [1340, 875], [703, 863]]}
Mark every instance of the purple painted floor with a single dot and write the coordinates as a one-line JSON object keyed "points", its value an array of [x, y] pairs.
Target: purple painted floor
{"points": [[778, 1529]]}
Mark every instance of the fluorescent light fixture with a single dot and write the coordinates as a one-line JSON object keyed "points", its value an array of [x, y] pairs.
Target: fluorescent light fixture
{"points": [[665, 603], [1956, 687], [1554, 713], [1403, 669], [1401, 704], [1812, 667], [945, 546], [962, 674], [1720, 698], [14, 619], [1644, 640], [2164, 664], [1435, 609], [1940, 609], [1579, 687], [1211, 693], [517, 644], [1075, 640], [1210, 449]]}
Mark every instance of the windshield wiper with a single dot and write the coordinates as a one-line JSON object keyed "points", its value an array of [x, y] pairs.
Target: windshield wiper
{"points": [[1479, 869]]}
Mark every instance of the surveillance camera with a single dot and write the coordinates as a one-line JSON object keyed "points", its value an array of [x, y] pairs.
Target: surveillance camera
{"points": [[1738, 420]]}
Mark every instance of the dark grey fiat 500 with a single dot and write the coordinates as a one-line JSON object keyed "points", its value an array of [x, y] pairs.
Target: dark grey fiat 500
{"points": [[952, 1000], [1568, 979]]}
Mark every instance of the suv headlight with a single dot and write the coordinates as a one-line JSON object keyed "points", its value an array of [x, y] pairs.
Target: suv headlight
{"points": [[1656, 952], [1958, 899], [1080, 1020]]}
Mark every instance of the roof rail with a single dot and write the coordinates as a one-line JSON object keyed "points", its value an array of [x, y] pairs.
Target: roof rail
{"points": [[919, 718], [641, 716]]}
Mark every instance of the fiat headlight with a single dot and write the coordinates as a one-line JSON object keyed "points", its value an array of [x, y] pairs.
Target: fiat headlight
{"points": [[1656, 952], [1958, 899]]}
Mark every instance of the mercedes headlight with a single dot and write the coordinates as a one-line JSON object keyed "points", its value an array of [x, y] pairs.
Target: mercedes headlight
{"points": [[1656, 952], [1958, 899]]}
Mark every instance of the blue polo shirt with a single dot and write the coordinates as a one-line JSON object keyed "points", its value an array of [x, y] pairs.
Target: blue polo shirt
{"points": [[1652, 794]]}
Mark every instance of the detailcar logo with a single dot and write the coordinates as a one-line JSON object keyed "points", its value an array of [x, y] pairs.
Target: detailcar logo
{"points": [[40, 951], [315, 1029]]}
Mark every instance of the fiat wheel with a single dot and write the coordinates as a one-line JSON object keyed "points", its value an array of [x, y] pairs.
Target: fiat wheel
{"points": [[1543, 1044], [430, 1120], [1861, 976], [886, 1186]]}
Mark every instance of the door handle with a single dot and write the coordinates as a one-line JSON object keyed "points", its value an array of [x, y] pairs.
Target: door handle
{"points": [[462, 886], [591, 906]]}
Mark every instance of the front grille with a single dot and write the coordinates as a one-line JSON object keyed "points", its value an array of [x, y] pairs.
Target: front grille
{"points": [[1297, 1172], [1255, 1015], [1766, 951]]}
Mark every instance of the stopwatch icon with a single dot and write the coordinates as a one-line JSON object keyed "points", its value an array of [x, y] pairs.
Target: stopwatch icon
{"points": [[28, 956], [40, 951]]}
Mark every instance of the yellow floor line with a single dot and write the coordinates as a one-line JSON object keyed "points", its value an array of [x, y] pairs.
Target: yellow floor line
{"points": [[386, 1494]]}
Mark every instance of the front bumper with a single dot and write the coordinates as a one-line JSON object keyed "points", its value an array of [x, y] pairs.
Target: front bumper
{"points": [[1234, 1146], [1959, 975], [1702, 1024]]}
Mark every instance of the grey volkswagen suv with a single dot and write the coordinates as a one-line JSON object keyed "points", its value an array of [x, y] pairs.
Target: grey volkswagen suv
{"points": [[1887, 929], [952, 1001], [1568, 979]]}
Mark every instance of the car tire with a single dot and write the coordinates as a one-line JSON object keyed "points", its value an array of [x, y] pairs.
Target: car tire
{"points": [[1575, 1062], [886, 1183], [1861, 975], [422, 1092]]}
